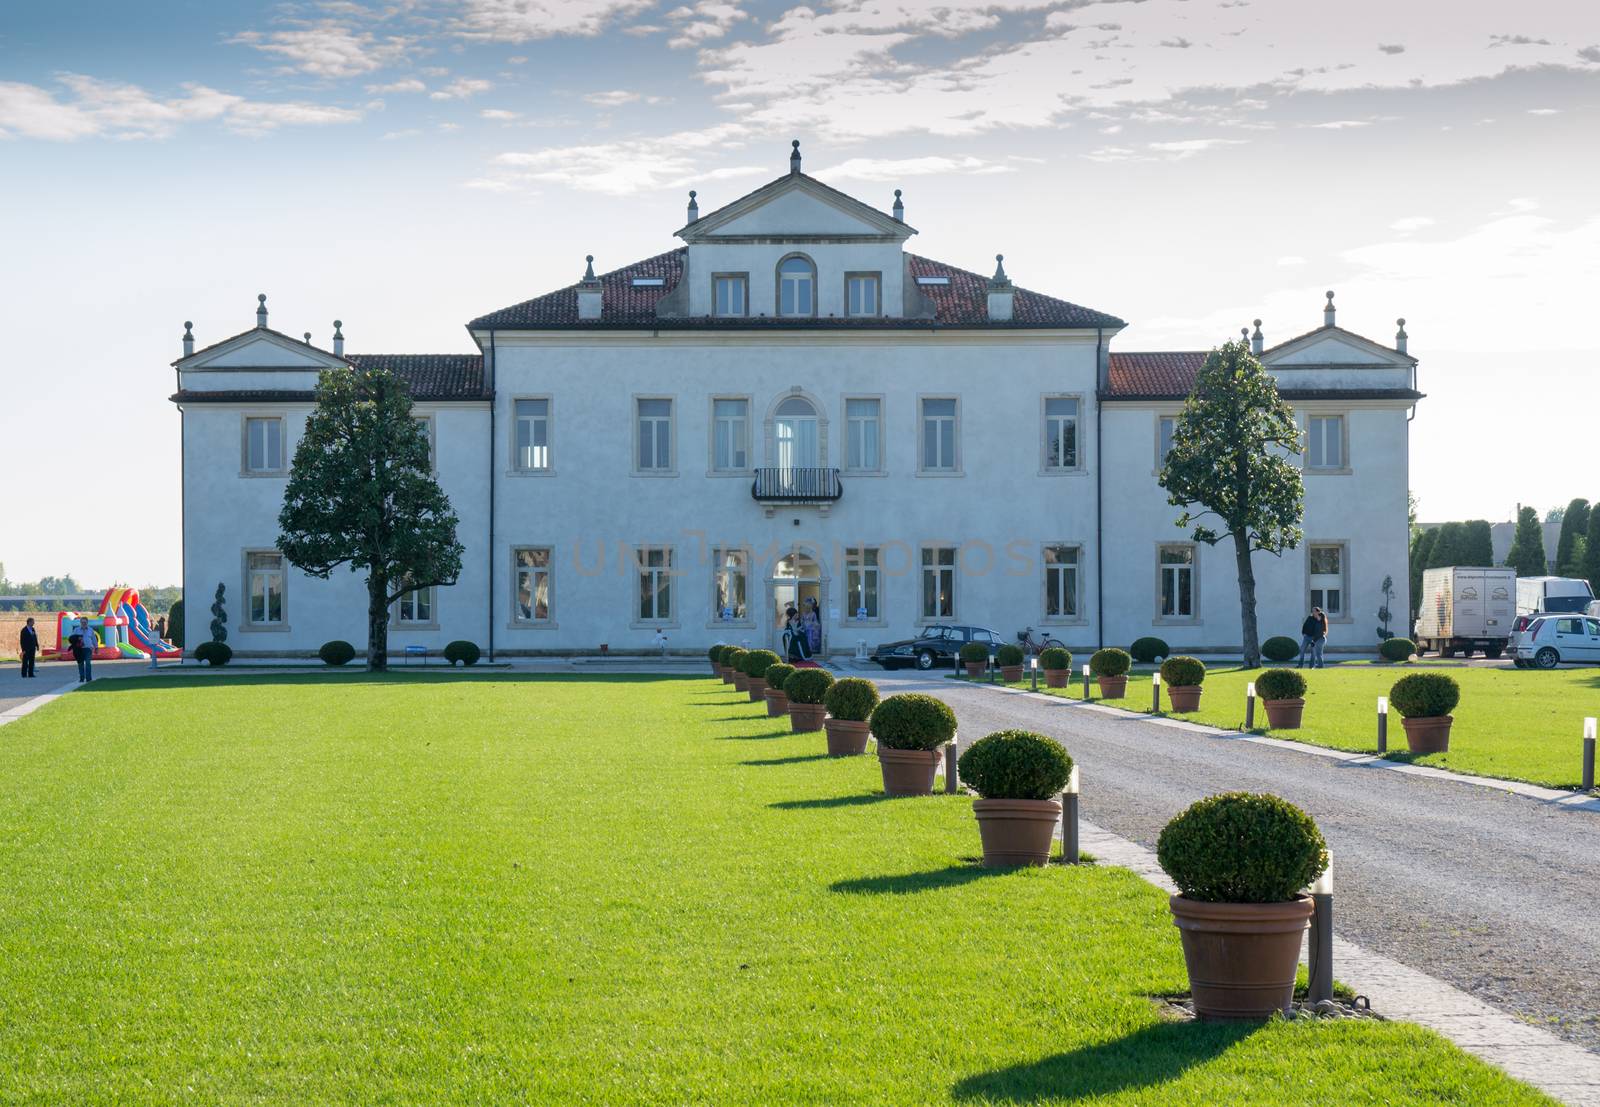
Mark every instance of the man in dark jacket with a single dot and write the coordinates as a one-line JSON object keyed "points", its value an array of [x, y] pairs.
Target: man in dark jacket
{"points": [[1313, 636], [30, 648]]}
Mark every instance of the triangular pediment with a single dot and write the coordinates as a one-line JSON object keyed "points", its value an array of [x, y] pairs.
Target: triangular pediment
{"points": [[260, 348], [1335, 346], [795, 206]]}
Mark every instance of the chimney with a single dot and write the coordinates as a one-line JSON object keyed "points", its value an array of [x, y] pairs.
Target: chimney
{"points": [[261, 310], [1257, 341], [694, 207], [899, 208], [1327, 311], [188, 338], [590, 293], [1400, 336], [338, 338], [1001, 293], [794, 157]]}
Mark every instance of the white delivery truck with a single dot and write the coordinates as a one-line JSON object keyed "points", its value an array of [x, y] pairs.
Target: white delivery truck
{"points": [[1464, 609], [1564, 594]]}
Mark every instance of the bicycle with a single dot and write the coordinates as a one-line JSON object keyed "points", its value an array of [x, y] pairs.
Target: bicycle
{"points": [[1033, 646]]}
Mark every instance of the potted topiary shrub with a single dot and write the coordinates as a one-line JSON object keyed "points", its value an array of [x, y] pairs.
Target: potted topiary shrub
{"points": [[1240, 861], [975, 656], [1019, 774], [849, 702], [777, 698], [1147, 651], [462, 652], [1110, 668], [1425, 701], [1057, 665], [1397, 649], [1278, 648], [725, 662], [337, 652], [756, 664], [1009, 657], [736, 675], [806, 689], [213, 653], [714, 654], [1183, 677], [1283, 692], [911, 730]]}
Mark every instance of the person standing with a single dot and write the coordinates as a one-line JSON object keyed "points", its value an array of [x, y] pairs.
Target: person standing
{"points": [[83, 644], [30, 648], [1310, 631], [812, 621], [1322, 636]]}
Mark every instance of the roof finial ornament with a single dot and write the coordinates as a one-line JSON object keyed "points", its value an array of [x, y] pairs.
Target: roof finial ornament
{"points": [[1327, 310], [1244, 334], [308, 338], [588, 274], [899, 208], [794, 156], [261, 310], [188, 338], [1256, 340], [338, 338], [694, 206], [1400, 335], [1000, 271]]}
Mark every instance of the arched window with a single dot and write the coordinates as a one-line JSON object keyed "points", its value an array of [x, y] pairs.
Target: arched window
{"points": [[797, 287], [795, 434]]}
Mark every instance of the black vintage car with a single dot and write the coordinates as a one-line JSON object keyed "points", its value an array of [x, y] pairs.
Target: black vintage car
{"points": [[936, 645]]}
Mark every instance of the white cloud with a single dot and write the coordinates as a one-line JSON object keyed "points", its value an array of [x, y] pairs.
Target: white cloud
{"points": [[525, 20], [1189, 147], [625, 167], [409, 84], [461, 89], [893, 169], [1411, 223], [329, 49], [1544, 111], [1340, 124], [499, 114], [615, 98], [706, 20]]}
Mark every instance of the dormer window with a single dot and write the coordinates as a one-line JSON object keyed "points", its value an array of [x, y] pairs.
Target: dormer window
{"points": [[797, 287], [861, 294]]}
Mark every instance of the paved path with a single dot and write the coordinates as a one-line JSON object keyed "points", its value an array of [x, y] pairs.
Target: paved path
{"points": [[1495, 893]]}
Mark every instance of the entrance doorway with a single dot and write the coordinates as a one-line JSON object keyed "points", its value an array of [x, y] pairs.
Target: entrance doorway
{"points": [[797, 582]]}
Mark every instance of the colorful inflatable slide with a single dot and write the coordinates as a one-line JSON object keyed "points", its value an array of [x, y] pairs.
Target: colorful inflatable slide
{"points": [[121, 629]]}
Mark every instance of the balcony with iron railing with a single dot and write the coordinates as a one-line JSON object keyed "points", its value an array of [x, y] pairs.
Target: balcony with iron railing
{"points": [[790, 486]]}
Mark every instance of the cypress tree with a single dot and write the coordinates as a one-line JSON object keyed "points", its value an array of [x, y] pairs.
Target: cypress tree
{"points": [[1527, 548]]}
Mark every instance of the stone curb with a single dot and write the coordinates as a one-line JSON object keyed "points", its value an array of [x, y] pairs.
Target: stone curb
{"points": [[28, 707]]}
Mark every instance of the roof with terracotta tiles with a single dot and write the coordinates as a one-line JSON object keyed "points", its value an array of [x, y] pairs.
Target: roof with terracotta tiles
{"points": [[1170, 375], [431, 376]]}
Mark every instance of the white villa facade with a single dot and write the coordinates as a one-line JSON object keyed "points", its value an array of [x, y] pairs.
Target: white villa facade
{"points": [[792, 406]]}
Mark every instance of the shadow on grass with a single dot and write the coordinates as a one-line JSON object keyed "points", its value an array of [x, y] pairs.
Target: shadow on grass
{"points": [[763, 737], [797, 760], [954, 876], [1145, 1059], [828, 802], [209, 679], [736, 718]]}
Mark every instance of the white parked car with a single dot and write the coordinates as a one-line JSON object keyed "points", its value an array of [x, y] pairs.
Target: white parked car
{"points": [[1552, 639]]}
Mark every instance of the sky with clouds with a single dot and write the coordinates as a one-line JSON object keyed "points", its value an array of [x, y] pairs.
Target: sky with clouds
{"points": [[404, 166]]}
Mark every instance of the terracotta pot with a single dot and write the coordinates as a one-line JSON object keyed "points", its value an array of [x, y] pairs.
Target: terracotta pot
{"points": [[741, 682], [727, 674], [757, 687], [909, 772], [1241, 956], [1428, 735], [716, 670], [1183, 697], [1016, 832], [975, 668], [1011, 673], [1056, 678], [1284, 714], [806, 717], [846, 737], [1113, 688], [777, 702]]}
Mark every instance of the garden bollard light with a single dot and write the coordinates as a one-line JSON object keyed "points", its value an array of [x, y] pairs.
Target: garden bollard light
{"points": [[1155, 693], [1319, 963], [1250, 705], [1069, 820], [1383, 724], [994, 669], [1033, 673], [952, 754], [1588, 754], [1086, 682]]}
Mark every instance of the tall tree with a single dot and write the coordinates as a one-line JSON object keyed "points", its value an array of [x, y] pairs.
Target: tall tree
{"points": [[1421, 547], [1574, 525], [1449, 546], [1591, 553], [361, 493], [1477, 545], [1231, 463], [1527, 546]]}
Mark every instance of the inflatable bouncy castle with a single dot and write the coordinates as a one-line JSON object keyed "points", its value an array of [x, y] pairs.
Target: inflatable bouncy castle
{"points": [[121, 629]]}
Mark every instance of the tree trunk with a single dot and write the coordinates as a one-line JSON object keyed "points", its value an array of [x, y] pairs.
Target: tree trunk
{"points": [[1247, 602], [378, 624]]}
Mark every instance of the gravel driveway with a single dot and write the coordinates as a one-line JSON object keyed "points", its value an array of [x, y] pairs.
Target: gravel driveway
{"points": [[1496, 893]]}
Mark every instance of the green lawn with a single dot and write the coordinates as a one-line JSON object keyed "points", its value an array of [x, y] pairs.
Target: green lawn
{"points": [[1517, 724], [312, 889]]}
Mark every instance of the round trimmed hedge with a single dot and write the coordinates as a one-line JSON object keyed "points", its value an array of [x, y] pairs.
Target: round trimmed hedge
{"points": [[1009, 654], [808, 685], [778, 674], [1280, 684], [1425, 695], [213, 653], [467, 653], [757, 662], [913, 721], [1397, 649], [1183, 672], [1055, 660], [852, 699], [713, 653], [1148, 649], [734, 659], [1015, 764], [1280, 648], [1110, 662], [1242, 847], [724, 652], [975, 651], [337, 652]]}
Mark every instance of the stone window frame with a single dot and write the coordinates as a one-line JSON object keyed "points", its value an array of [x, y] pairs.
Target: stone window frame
{"points": [[246, 624], [245, 419]]}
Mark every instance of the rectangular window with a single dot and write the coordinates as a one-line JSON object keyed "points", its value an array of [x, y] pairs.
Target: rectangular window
{"points": [[938, 582], [1325, 442], [655, 435], [1325, 565], [533, 434], [264, 588], [1061, 582], [864, 434], [861, 294], [263, 445], [732, 585], [939, 435], [1176, 568], [655, 583], [730, 435], [415, 607], [531, 584], [425, 424], [1165, 425], [1060, 432], [861, 583], [730, 295]]}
